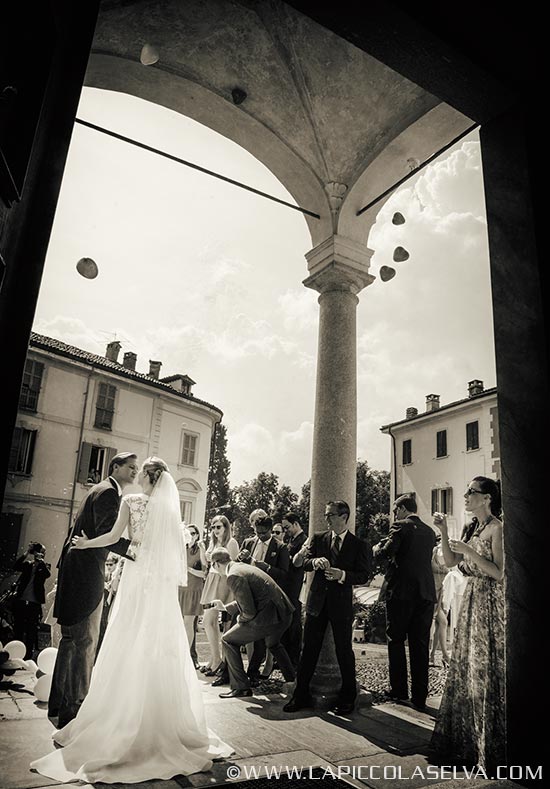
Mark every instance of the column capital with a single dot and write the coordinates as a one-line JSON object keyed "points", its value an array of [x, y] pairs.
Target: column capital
{"points": [[339, 263]]}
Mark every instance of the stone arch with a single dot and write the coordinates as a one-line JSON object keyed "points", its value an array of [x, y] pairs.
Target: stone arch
{"points": [[197, 102]]}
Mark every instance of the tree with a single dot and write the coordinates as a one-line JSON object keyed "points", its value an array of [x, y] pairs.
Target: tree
{"points": [[303, 506], [218, 496], [372, 497], [285, 501]]}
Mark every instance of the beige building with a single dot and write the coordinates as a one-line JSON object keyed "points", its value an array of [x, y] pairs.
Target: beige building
{"points": [[76, 411], [437, 452]]}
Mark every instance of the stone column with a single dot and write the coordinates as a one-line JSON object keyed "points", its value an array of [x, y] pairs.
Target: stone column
{"points": [[338, 271]]}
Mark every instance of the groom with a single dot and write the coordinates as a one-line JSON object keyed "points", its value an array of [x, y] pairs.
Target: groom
{"points": [[80, 585]]}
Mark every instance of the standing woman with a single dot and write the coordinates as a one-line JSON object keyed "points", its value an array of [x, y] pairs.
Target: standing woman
{"points": [[216, 588], [190, 595], [471, 726]]}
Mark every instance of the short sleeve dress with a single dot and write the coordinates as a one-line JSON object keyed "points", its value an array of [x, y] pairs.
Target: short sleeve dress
{"points": [[190, 595]]}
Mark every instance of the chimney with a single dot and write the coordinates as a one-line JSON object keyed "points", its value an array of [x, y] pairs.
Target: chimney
{"points": [[129, 360], [113, 350], [432, 402], [410, 412], [475, 387], [154, 369]]}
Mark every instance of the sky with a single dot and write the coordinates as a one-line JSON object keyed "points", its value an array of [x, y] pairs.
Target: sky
{"points": [[207, 278]]}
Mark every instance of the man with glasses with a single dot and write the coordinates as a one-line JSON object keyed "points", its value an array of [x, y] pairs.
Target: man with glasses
{"points": [[296, 537], [340, 561], [271, 556], [409, 593]]}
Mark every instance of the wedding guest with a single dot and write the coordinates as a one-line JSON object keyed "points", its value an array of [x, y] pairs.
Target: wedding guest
{"points": [[439, 624], [55, 627], [111, 563], [190, 595], [277, 533], [471, 726], [215, 588], [30, 595]]}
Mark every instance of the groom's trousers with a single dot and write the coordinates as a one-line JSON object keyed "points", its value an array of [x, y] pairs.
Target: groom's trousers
{"points": [[409, 620], [73, 667]]}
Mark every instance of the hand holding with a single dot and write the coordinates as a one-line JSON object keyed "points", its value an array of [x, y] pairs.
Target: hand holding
{"points": [[80, 542], [219, 605], [440, 520], [333, 573], [321, 563], [458, 546]]}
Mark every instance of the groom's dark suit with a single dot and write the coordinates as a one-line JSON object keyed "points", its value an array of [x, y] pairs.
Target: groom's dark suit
{"points": [[79, 599], [409, 592], [331, 601]]}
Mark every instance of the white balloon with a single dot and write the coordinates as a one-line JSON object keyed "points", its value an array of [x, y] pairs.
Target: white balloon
{"points": [[16, 649], [42, 687], [46, 660]]}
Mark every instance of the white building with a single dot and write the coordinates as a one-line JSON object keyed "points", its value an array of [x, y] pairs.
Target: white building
{"points": [[76, 411], [436, 453]]}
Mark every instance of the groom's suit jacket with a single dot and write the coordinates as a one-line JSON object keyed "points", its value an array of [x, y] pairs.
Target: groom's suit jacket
{"points": [[409, 546], [81, 576]]}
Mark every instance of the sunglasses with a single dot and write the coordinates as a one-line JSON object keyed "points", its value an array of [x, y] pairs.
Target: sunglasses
{"points": [[471, 491], [277, 531]]}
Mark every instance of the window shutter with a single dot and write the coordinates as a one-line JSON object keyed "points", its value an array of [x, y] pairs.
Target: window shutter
{"points": [[110, 452], [84, 463], [449, 501], [434, 501]]}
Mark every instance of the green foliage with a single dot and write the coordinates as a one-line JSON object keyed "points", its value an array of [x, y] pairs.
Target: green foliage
{"points": [[218, 496]]}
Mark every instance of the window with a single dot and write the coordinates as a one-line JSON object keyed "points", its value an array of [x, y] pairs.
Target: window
{"points": [[441, 444], [94, 463], [189, 452], [30, 388], [105, 406], [186, 511], [407, 451], [22, 450], [472, 435], [442, 500]]}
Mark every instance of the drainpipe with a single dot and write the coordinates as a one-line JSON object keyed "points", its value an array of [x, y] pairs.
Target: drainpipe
{"points": [[79, 448], [394, 454]]}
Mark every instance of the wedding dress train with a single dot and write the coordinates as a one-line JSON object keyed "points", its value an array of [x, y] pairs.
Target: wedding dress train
{"points": [[143, 717]]}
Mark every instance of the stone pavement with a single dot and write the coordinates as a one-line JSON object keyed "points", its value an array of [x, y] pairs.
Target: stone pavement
{"points": [[359, 745]]}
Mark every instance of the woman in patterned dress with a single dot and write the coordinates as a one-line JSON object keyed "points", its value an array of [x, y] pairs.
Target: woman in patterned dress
{"points": [[143, 717], [470, 729]]}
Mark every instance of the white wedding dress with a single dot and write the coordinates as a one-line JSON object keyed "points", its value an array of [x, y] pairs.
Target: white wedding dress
{"points": [[143, 717]]}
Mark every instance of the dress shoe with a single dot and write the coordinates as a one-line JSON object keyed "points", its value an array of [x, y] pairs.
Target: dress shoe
{"points": [[236, 694], [343, 709], [295, 705], [389, 695], [220, 681], [419, 705], [211, 672], [255, 680]]}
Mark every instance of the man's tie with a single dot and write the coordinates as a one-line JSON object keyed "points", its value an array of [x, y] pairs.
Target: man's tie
{"points": [[335, 550]]}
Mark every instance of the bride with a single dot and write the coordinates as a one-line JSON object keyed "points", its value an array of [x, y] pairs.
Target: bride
{"points": [[143, 717]]}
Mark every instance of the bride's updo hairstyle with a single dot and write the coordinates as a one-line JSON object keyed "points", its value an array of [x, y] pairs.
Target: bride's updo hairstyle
{"points": [[153, 468]]}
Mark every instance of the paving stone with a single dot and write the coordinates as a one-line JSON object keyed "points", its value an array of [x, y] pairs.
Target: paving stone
{"points": [[23, 741]]}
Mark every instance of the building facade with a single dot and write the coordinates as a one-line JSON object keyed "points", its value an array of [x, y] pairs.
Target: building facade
{"points": [[437, 452], [76, 411]]}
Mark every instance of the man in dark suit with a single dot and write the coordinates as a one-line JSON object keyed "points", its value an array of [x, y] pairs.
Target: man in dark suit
{"points": [[80, 585], [271, 556], [340, 561], [409, 592], [263, 612], [30, 595], [296, 537]]}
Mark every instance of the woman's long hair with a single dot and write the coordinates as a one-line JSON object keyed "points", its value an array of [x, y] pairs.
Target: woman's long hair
{"points": [[221, 542]]}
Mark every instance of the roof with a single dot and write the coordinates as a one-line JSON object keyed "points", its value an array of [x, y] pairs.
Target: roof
{"points": [[424, 414], [178, 377], [39, 341]]}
